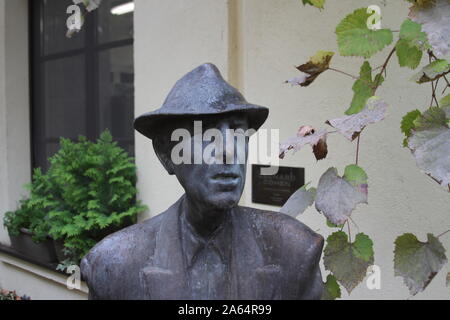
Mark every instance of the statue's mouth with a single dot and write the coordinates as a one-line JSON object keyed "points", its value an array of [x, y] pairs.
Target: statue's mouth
{"points": [[228, 181], [225, 176]]}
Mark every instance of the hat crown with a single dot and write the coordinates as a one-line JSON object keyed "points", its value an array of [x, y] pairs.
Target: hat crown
{"points": [[203, 90]]}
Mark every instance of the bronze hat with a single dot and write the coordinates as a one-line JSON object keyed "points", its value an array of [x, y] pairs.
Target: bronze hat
{"points": [[200, 92]]}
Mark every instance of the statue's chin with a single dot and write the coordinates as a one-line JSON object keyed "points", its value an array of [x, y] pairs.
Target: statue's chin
{"points": [[222, 201]]}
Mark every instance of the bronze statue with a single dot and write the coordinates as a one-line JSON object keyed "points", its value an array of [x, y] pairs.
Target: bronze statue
{"points": [[205, 246]]}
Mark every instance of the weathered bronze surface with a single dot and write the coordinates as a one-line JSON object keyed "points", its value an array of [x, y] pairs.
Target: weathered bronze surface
{"points": [[205, 246]]}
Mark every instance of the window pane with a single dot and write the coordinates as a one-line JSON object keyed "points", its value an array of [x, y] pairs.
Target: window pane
{"points": [[65, 97], [113, 27], [116, 93], [55, 28]]}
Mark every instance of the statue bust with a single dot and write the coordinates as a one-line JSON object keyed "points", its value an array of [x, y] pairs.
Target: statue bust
{"points": [[206, 246]]}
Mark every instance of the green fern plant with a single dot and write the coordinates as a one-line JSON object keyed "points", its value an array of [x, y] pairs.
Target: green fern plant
{"points": [[32, 213], [87, 193]]}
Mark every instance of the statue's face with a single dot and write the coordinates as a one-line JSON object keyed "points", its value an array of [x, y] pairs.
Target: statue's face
{"points": [[215, 185]]}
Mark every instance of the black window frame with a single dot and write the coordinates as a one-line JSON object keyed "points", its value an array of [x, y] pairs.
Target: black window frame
{"points": [[91, 50]]}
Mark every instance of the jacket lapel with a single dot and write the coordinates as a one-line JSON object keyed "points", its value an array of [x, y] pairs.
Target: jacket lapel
{"points": [[164, 276], [253, 277]]}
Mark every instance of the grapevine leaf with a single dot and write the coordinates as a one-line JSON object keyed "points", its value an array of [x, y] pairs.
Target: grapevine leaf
{"points": [[356, 39], [445, 104], [357, 177], [407, 124], [363, 247], [412, 32], [430, 144], [434, 16], [332, 291], [317, 64], [332, 225], [348, 261], [418, 262], [433, 71], [351, 126], [408, 56], [299, 201], [412, 42], [316, 3], [317, 139], [337, 197], [363, 88]]}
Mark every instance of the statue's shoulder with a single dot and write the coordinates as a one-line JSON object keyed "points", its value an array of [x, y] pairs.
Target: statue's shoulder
{"points": [[128, 238], [119, 256], [289, 231]]}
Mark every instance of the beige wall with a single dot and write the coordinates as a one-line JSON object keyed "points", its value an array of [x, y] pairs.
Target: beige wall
{"points": [[256, 43], [14, 106]]}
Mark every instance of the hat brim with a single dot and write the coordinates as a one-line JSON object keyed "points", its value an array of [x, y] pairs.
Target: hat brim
{"points": [[147, 123]]}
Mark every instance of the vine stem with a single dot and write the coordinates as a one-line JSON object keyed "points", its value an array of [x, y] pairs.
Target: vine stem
{"points": [[383, 69], [343, 72], [349, 234], [443, 233], [357, 150], [377, 84]]}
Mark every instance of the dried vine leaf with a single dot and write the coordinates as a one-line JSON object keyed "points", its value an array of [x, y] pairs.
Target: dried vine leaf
{"points": [[316, 3], [297, 81], [356, 39], [430, 144], [412, 42], [433, 71], [348, 261], [317, 64], [352, 125], [317, 139], [418, 262], [422, 3], [299, 201], [363, 88], [337, 197], [434, 16], [331, 291]]}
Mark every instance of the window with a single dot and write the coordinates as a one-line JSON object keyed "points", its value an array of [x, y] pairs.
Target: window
{"points": [[84, 84]]}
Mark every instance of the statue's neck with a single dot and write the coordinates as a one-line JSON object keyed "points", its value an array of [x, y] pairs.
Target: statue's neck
{"points": [[204, 220]]}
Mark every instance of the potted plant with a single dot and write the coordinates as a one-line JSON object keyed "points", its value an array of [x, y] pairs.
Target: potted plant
{"points": [[87, 193], [94, 195], [28, 226]]}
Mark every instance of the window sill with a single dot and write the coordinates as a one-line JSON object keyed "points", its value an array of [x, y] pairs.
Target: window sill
{"points": [[48, 271]]}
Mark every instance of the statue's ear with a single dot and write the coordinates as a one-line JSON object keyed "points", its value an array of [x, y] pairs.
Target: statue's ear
{"points": [[163, 155]]}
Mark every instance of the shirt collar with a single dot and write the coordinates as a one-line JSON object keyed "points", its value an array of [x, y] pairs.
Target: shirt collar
{"points": [[193, 243]]}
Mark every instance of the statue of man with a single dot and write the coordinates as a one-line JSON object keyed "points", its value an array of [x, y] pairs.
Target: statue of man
{"points": [[205, 246]]}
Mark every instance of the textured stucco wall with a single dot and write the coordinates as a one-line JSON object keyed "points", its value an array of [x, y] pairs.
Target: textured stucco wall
{"points": [[257, 50], [14, 106]]}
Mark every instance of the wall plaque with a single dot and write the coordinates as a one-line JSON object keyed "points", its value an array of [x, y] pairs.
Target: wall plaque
{"points": [[276, 189]]}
